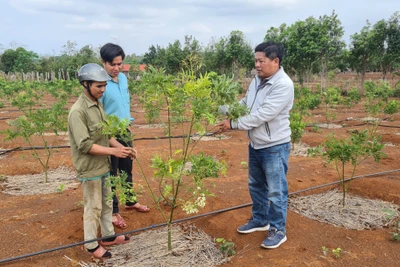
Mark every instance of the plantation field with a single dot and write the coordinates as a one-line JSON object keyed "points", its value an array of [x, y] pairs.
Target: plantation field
{"points": [[37, 222]]}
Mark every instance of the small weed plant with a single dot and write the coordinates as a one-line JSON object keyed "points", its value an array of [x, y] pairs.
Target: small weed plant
{"points": [[337, 252], [395, 224], [60, 188], [325, 250], [244, 164], [226, 247]]}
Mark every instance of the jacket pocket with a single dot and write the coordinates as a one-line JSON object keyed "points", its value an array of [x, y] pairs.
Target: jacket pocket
{"points": [[268, 130]]}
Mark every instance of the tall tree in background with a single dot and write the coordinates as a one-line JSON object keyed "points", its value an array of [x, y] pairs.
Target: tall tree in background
{"points": [[19, 60], [303, 48], [194, 60], [174, 55], [378, 46], [311, 46], [362, 51], [392, 58], [230, 54], [214, 56], [156, 57], [330, 43], [239, 53]]}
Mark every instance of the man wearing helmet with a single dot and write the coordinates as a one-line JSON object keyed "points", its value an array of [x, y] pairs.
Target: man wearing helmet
{"points": [[116, 101], [90, 154]]}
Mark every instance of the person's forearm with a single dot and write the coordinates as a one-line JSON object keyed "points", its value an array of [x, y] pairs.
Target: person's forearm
{"points": [[115, 143], [98, 150]]}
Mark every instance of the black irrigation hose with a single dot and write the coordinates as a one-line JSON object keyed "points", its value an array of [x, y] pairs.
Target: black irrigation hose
{"points": [[345, 180], [136, 139], [31, 148], [124, 233], [185, 219]]}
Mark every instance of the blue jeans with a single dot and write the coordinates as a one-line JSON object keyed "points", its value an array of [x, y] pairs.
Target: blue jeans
{"points": [[268, 186]]}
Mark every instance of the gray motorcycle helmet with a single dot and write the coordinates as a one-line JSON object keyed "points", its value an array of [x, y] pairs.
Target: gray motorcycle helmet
{"points": [[92, 72]]}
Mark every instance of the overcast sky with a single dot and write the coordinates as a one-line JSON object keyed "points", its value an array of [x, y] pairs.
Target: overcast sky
{"points": [[44, 26]]}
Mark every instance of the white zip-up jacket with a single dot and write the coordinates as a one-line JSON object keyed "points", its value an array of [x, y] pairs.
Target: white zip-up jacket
{"points": [[268, 124]]}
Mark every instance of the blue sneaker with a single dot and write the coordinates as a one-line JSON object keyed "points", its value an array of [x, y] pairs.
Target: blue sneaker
{"points": [[274, 239], [251, 227]]}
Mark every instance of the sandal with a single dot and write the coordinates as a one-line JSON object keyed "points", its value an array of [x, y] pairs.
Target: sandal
{"points": [[121, 239], [100, 253], [118, 221], [138, 208]]}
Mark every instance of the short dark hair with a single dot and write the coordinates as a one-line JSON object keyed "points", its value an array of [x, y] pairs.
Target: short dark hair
{"points": [[110, 51], [271, 50]]}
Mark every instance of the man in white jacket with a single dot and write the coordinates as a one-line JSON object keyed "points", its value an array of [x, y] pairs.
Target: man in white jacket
{"points": [[269, 98]]}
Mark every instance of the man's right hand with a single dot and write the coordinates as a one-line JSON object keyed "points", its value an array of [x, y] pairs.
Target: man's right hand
{"points": [[123, 152]]}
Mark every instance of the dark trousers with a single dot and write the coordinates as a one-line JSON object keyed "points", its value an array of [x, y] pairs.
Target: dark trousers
{"points": [[119, 165]]}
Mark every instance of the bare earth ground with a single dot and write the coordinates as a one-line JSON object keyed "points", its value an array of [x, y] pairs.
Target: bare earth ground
{"points": [[31, 223]]}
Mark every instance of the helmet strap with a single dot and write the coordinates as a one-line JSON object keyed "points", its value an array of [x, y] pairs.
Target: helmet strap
{"points": [[89, 83]]}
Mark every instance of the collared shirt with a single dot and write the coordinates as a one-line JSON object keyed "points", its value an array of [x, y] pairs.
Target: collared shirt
{"points": [[116, 99], [84, 130]]}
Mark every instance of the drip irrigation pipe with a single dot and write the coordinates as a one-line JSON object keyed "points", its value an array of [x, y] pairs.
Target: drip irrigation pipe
{"points": [[186, 219], [31, 148], [136, 139]]}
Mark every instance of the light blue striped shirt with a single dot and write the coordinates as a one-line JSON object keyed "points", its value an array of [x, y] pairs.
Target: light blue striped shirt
{"points": [[116, 98]]}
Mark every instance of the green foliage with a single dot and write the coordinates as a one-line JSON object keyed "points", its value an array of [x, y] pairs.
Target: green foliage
{"points": [[60, 188], [395, 224], [244, 164], [226, 247], [205, 166], [229, 54], [331, 75], [297, 126], [237, 110], [114, 127], [18, 60], [38, 122], [312, 45], [352, 98], [337, 252], [395, 234], [174, 57], [123, 190], [377, 103], [226, 90], [353, 150], [191, 105], [330, 98], [3, 178], [305, 100], [315, 128]]}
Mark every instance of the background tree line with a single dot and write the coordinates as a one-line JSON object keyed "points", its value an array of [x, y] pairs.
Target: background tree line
{"points": [[312, 46]]}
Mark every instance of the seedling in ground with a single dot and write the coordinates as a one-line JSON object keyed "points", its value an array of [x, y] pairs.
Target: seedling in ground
{"points": [[244, 164], [395, 224], [191, 105], [354, 150], [226, 247], [60, 188], [325, 250], [337, 252]]}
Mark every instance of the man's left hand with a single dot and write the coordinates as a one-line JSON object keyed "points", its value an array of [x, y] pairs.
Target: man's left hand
{"points": [[224, 125]]}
